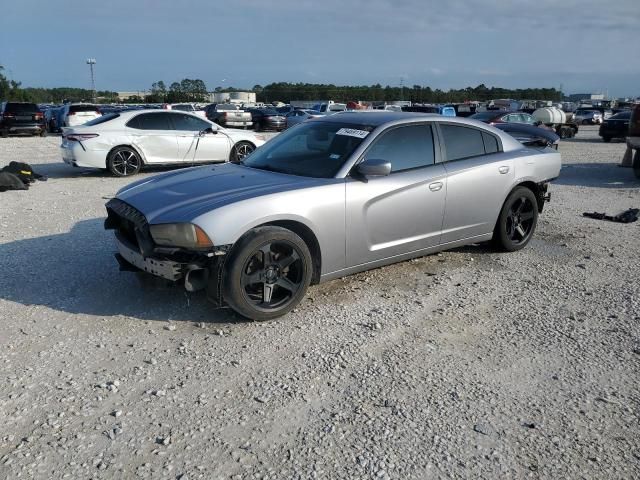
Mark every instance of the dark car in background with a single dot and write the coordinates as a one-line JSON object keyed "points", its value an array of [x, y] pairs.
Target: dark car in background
{"points": [[493, 117], [21, 117], [267, 119], [616, 126], [530, 135]]}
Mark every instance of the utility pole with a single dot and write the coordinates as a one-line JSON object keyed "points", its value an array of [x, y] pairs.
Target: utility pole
{"points": [[401, 89], [91, 62]]}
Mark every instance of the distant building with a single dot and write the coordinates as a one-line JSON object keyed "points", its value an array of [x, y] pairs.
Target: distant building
{"points": [[122, 96], [232, 97]]}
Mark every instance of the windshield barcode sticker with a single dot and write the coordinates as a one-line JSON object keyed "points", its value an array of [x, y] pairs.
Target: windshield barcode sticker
{"points": [[352, 132]]}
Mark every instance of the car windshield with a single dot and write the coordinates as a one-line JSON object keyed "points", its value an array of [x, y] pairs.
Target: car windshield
{"points": [[314, 149], [102, 119]]}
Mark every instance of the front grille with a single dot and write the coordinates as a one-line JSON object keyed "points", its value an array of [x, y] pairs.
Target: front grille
{"points": [[131, 223]]}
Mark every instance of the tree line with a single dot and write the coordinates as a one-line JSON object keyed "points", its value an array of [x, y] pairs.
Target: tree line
{"points": [[283, 91], [195, 90]]}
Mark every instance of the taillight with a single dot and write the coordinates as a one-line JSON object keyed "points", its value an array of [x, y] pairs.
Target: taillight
{"points": [[226, 114], [80, 137], [71, 113], [39, 116]]}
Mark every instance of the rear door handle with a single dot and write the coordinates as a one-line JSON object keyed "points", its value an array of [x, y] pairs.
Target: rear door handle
{"points": [[435, 186], [504, 169]]}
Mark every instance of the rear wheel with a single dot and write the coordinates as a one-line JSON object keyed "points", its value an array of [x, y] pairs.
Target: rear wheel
{"points": [[517, 221], [124, 161], [606, 139], [267, 274]]}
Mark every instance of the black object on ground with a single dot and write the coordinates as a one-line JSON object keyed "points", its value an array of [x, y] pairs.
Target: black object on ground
{"points": [[628, 216], [18, 176]]}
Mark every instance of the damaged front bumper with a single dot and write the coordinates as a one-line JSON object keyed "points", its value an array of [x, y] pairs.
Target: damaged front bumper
{"points": [[137, 252]]}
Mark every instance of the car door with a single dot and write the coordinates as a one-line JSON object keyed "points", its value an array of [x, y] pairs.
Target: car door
{"points": [[402, 212], [153, 134], [194, 146], [479, 176]]}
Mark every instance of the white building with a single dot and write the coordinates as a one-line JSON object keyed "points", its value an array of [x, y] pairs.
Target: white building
{"points": [[233, 97]]}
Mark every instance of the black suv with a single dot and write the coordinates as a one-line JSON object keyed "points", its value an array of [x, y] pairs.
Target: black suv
{"points": [[19, 117]]}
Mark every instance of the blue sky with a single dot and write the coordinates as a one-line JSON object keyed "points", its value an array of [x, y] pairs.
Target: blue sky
{"points": [[585, 45]]}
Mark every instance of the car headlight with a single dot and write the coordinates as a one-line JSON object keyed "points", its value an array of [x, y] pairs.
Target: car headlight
{"points": [[185, 235]]}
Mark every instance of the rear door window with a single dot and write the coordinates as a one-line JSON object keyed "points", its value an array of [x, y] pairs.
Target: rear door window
{"points": [[188, 123], [462, 142], [490, 143], [405, 147], [151, 121]]}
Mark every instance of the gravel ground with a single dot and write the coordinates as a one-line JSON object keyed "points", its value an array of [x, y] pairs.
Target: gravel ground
{"points": [[466, 364]]}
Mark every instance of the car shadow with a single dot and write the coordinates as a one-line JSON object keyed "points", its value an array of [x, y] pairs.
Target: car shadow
{"points": [[601, 175], [76, 272]]}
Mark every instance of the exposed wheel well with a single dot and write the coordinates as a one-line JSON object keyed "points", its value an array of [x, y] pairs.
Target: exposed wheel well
{"points": [[538, 190], [127, 146], [308, 237]]}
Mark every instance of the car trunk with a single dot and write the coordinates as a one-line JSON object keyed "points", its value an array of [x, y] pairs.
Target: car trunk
{"points": [[81, 114]]}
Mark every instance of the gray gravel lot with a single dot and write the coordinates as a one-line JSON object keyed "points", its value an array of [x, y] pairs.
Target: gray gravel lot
{"points": [[466, 364]]}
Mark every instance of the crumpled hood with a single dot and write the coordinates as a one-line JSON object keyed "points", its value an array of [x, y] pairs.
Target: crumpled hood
{"points": [[183, 195]]}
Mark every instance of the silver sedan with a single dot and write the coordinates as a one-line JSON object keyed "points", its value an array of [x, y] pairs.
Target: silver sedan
{"points": [[331, 197]]}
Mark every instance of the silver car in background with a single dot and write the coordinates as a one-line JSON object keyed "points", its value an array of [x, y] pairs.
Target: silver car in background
{"points": [[331, 197]]}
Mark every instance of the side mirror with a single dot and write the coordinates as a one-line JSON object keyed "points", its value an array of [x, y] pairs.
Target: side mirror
{"points": [[374, 167], [537, 123], [208, 130]]}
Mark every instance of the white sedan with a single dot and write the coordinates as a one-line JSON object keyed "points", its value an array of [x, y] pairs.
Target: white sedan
{"points": [[125, 142]]}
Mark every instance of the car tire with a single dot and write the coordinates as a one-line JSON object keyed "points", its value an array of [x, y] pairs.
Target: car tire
{"points": [[636, 164], [606, 139], [585, 122], [256, 127], [4, 134], [240, 150], [267, 273], [124, 162], [517, 221]]}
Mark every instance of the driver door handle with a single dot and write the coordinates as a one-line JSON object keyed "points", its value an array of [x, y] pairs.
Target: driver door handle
{"points": [[504, 169], [435, 186]]}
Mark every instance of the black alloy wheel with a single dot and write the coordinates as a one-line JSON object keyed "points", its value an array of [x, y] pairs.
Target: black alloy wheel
{"points": [[267, 274], [517, 221], [272, 276], [123, 162]]}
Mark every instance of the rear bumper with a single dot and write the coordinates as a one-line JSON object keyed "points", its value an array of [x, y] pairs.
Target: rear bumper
{"points": [[16, 128], [73, 154], [232, 123]]}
